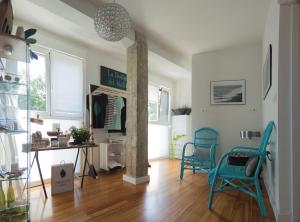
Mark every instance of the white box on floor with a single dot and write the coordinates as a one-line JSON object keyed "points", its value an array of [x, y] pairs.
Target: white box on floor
{"points": [[62, 178]]}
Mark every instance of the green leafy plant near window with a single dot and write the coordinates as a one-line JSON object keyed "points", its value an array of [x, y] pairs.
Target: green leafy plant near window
{"points": [[80, 135], [37, 96], [175, 139]]}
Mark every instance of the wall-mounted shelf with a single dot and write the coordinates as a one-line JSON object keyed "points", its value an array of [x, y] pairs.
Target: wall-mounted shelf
{"points": [[19, 50]]}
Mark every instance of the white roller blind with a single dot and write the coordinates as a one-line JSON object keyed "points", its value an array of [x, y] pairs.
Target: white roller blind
{"points": [[67, 85]]}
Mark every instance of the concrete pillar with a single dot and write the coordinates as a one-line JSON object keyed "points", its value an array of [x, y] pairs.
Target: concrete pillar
{"points": [[137, 112]]}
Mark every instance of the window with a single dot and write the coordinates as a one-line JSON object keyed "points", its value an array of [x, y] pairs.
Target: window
{"points": [[56, 85], [38, 86], [164, 105], [153, 103], [158, 104], [67, 85]]}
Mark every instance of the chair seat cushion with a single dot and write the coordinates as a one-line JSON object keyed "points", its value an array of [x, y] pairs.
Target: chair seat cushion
{"points": [[197, 158], [198, 162], [230, 171]]}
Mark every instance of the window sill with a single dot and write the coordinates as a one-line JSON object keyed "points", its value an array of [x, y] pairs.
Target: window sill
{"points": [[159, 124]]}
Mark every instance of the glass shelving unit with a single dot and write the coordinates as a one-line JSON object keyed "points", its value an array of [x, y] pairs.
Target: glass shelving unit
{"points": [[14, 130]]}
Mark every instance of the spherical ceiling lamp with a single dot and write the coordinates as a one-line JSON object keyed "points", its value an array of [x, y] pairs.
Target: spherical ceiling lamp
{"points": [[112, 22]]}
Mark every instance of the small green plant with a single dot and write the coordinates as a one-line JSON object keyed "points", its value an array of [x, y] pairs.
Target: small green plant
{"points": [[31, 41], [175, 139], [80, 135]]}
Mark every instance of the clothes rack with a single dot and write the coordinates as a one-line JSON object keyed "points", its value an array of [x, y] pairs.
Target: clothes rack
{"points": [[99, 90]]}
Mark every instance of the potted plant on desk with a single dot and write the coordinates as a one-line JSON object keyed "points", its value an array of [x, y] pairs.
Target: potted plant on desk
{"points": [[80, 135]]}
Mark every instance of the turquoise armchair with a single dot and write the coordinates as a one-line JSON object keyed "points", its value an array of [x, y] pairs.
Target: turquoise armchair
{"points": [[235, 176], [204, 139]]}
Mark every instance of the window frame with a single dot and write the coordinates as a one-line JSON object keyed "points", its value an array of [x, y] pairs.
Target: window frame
{"points": [[70, 115], [46, 53], [164, 88], [49, 113]]}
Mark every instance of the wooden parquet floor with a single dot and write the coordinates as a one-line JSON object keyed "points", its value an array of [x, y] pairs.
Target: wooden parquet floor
{"points": [[165, 198]]}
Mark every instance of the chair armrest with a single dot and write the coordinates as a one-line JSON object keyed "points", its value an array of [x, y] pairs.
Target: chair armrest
{"points": [[244, 148], [184, 147]]}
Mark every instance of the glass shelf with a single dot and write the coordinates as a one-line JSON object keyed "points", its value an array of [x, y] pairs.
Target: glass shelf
{"points": [[12, 131], [15, 213], [20, 91], [13, 179], [14, 207], [13, 176], [14, 85]]}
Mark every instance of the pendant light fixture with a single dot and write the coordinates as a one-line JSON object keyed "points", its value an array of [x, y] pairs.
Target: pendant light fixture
{"points": [[112, 22]]}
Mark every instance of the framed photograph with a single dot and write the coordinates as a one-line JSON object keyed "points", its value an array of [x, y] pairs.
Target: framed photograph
{"points": [[228, 92], [267, 73]]}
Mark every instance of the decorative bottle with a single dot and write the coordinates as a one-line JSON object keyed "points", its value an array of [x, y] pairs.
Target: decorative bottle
{"points": [[2, 197], [10, 195]]}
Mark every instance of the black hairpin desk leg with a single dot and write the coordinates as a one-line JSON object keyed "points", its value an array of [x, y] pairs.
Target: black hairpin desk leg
{"points": [[40, 172], [85, 162], [76, 159]]}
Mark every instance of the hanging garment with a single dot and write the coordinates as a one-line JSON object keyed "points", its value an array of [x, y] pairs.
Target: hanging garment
{"points": [[99, 103], [123, 117], [110, 110], [119, 103]]}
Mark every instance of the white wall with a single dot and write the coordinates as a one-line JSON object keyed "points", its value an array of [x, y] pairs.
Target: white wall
{"points": [[183, 93], [270, 104], [243, 62], [295, 196], [282, 106]]}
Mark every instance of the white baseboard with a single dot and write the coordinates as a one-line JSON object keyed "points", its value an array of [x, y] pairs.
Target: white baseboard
{"points": [[280, 217], [284, 217], [135, 181], [272, 200]]}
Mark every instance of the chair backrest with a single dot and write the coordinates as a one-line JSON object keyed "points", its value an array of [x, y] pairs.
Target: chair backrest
{"points": [[266, 138], [204, 137], [263, 146]]}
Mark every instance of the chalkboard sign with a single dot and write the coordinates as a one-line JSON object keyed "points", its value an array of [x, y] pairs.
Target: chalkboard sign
{"points": [[113, 78]]}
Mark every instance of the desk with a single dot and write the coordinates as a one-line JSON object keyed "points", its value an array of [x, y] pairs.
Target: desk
{"points": [[78, 147]]}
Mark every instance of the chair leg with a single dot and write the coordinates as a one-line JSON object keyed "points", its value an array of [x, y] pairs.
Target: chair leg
{"points": [[212, 191], [194, 170], [260, 199], [182, 168], [223, 184]]}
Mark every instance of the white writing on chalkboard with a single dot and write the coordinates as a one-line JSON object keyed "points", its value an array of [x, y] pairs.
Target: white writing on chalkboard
{"points": [[113, 78]]}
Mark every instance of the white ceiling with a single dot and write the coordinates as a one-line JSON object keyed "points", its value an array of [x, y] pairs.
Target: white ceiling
{"points": [[193, 26], [175, 29]]}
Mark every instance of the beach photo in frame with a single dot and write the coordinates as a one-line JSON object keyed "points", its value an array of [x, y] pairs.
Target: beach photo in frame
{"points": [[228, 92], [267, 73]]}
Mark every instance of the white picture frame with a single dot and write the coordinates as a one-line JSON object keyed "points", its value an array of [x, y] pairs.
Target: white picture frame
{"points": [[228, 92]]}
